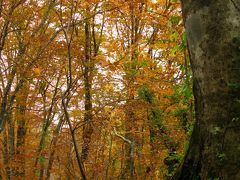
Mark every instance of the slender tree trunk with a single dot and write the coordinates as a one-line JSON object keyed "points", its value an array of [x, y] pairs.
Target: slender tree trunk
{"points": [[88, 67], [92, 44], [11, 144], [48, 117], [109, 161], [53, 147], [78, 157], [21, 103], [128, 170], [130, 161], [214, 39], [6, 155]]}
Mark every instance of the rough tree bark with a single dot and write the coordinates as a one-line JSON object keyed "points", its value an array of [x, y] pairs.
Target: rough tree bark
{"points": [[214, 44]]}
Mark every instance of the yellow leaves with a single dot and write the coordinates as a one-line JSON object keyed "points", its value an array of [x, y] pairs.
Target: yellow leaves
{"points": [[112, 67], [101, 59], [93, 1], [76, 113], [108, 87], [37, 71], [140, 80], [130, 55], [49, 95]]}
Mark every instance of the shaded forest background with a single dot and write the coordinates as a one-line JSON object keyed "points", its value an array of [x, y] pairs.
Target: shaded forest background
{"points": [[93, 89]]}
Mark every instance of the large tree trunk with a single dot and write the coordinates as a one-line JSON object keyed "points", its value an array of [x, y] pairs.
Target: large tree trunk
{"points": [[214, 39]]}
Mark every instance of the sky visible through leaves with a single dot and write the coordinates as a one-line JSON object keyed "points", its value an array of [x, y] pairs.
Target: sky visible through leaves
{"points": [[93, 89]]}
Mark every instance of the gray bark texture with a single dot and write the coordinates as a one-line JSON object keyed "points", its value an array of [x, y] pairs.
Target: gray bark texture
{"points": [[213, 31]]}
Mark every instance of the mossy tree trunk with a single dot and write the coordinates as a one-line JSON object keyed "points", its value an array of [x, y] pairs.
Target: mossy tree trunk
{"points": [[214, 44]]}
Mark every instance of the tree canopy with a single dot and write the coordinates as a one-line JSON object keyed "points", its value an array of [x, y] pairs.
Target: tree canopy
{"points": [[93, 89]]}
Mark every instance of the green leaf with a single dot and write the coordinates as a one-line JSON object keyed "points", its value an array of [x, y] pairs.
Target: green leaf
{"points": [[221, 156], [184, 41], [234, 85], [37, 173], [175, 20], [156, 117], [174, 50], [42, 159], [146, 94], [174, 36]]}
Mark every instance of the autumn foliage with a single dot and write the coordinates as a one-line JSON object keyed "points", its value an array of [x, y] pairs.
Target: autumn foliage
{"points": [[93, 89]]}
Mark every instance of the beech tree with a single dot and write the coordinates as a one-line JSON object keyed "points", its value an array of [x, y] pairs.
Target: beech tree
{"points": [[213, 40]]}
